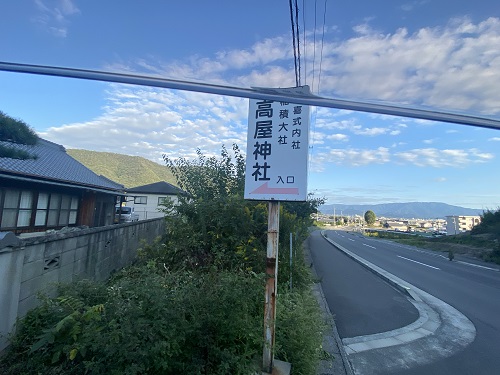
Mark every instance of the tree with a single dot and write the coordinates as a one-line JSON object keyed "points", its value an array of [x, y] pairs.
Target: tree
{"points": [[15, 131], [214, 226], [370, 217], [304, 210]]}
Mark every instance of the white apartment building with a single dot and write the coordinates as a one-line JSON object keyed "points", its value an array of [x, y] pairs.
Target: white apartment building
{"points": [[459, 224]]}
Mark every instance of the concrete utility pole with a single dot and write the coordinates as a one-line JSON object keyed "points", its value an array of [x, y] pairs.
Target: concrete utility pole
{"points": [[273, 224]]}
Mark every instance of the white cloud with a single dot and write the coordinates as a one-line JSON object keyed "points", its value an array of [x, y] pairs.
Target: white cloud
{"points": [[54, 15], [494, 139], [338, 137], [432, 157], [434, 67], [355, 157], [440, 179], [371, 131], [410, 6], [453, 67], [150, 122], [425, 157], [438, 67]]}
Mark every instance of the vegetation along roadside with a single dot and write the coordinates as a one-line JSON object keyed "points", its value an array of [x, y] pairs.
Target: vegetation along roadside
{"points": [[482, 242], [193, 301]]}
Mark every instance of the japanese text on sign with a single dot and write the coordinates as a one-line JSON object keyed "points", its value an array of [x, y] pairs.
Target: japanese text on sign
{"points": [[277, 150]]}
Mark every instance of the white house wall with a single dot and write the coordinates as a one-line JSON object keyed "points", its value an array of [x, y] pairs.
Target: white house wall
{"points": [[150, 209]]}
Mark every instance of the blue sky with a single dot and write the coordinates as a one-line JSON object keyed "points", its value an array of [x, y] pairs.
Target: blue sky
{"points": [[433, 54]]}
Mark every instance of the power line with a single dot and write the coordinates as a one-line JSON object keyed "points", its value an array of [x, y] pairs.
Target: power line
{"points": [[304, 40], [298, 38], [319, 83], [314, 47], [294, 49], [322, 43]]}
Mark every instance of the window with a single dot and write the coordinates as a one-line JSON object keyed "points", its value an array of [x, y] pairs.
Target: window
{"points": [[17, 206], [41, 209], [140, 200], [163, 200], [54, 206], [10, 204], [62, 210], [73, 210], [25, 208]]}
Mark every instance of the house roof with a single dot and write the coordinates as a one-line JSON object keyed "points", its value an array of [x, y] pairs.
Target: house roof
{"points": [[161, 187], [52, 164]]}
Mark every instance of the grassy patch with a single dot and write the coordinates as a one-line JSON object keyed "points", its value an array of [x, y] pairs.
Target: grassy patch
{"points": [[479, 246]]}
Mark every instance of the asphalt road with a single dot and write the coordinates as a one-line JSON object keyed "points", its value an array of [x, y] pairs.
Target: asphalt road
{"points": [[364, 306]]}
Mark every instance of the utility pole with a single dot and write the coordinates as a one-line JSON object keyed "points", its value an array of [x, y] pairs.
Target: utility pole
{"points": [[273, 225]]}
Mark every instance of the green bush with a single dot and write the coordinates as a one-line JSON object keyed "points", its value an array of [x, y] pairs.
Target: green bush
{"points": [[194, 302], [144, 322], [16, 131], [299, 331]]}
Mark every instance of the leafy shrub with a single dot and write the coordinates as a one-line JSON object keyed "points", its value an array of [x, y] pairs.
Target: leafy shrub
{"points": [[490, 223], [16, 131], [299, 331], [194, 303], [144, 322]]}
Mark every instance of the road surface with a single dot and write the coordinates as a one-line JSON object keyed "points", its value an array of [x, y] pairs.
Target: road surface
{"points": [[363, 304]]}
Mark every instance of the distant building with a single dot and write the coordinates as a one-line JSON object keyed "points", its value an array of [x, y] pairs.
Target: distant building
{"points": [[460, 224], [397, 226], [147, 200]]}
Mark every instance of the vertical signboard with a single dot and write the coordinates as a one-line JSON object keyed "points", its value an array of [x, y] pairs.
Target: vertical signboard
{"points": [[277, 151]]}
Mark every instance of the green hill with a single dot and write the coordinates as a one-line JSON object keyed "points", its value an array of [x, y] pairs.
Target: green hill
{"points": [[130, 171]]}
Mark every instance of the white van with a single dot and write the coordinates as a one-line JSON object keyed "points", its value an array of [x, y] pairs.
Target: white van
{"points": [[125, 214]]}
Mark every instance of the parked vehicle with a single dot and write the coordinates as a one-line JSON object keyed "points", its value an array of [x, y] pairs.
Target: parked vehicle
{"points": [[125, 214]]}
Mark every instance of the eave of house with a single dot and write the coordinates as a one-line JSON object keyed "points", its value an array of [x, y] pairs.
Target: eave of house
{"points": [[27, 178]]}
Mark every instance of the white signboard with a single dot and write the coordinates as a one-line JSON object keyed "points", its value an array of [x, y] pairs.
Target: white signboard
{"points": [[277, 151]]}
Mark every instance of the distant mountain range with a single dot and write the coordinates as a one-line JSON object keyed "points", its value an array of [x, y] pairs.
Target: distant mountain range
{"points": [[410, 210]]}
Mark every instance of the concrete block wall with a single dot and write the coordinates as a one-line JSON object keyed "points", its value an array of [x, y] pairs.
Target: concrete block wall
{"points": [[37, 264]]}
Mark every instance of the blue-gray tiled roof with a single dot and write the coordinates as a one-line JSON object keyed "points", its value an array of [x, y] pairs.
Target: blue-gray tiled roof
{"points": [[53, 164], [161, 187]]}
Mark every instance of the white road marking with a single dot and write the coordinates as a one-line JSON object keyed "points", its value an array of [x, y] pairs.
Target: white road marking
{"points": [[350, 239], [477, 265], [373, 247], [423, 264]]}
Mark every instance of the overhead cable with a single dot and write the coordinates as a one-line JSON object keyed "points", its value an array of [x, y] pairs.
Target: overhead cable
{"points": [[297, 35], [294, 50]]}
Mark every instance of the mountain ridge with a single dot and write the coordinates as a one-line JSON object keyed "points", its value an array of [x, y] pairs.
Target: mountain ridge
{"points": [[406, 210], [130, 171]]}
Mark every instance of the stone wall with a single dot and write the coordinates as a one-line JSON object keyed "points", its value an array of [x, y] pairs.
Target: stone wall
{"points": [[37, 264]]}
